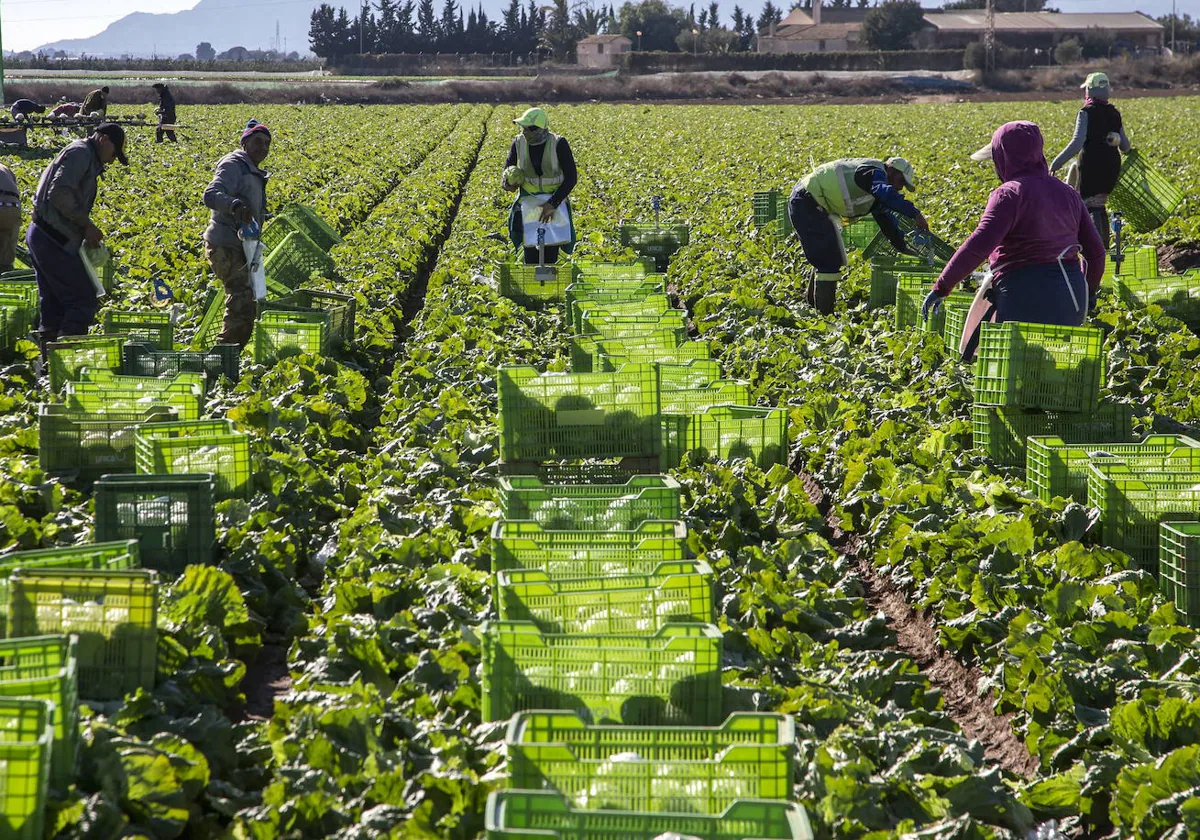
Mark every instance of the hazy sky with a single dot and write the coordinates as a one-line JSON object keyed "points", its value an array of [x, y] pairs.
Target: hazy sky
{"points": [[31, 23]]}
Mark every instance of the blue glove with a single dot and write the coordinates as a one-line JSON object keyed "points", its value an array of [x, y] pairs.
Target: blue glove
{"points": [[933, 303]]}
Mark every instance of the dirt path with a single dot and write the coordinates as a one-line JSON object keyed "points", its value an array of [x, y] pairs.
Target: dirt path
{"points": [[975, 714]]}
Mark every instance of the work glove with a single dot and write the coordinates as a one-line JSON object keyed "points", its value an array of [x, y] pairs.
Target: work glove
{"points": [[933, 303]]}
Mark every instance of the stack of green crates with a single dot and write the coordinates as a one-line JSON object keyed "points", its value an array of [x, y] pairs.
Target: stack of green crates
{"points": [[1139, 263], [26, 746], [1056, 468], [279, 334], [141, 359], [340, 308], [885, 272], [1179, 567], [113, 612], [1041, 379], [1133, 502], [296, 260], [298, 218], [197, 446], [604, 645], [46, 668], [911, 289]]}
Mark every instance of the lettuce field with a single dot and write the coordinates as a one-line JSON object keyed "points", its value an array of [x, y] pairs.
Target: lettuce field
{"points": [[960, 658]]}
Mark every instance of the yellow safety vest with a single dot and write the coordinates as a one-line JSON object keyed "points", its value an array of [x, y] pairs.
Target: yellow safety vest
{"points": [[551, 178], [832, 185]]}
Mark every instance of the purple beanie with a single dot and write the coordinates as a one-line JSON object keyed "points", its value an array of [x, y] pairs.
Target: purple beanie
{"points": [[254, 127]]}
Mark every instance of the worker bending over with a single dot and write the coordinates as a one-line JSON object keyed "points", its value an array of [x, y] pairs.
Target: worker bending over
{"points": [[848, 189]]}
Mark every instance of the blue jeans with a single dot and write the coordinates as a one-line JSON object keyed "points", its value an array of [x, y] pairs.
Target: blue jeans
{"points": [[1038, 294], [65, 292]]}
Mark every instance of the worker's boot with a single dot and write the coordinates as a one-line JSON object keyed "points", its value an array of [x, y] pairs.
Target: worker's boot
{"points": [[825, 291], [810, 291], [1100, 220]]}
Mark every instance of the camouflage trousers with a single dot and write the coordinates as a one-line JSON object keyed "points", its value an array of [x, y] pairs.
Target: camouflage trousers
{"points": [[229, 264]]}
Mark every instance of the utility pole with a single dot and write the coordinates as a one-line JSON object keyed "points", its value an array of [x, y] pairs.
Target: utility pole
{"points": [[1, 69], [362, 13], [989, 38], [1173, 16]]}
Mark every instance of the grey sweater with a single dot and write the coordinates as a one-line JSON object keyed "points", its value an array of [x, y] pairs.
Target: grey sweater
{"points": [[1076, 145], [239, 182]]}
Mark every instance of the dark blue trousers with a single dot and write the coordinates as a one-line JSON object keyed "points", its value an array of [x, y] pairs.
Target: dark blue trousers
{"points": [[1038, 294], [66, 294], [819, 239]]}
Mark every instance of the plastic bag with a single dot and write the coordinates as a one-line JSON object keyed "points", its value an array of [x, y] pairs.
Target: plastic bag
{"points": [[94, 261], [253, 249], [558, 229]]}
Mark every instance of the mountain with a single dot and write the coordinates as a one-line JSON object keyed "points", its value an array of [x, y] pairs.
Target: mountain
{"points": [[223, 23]]}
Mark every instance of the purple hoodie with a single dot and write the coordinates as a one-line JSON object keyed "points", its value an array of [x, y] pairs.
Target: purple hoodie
{"points": [[1030, 218]]}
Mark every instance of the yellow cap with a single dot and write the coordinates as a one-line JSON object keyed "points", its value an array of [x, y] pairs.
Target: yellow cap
{"points": [[533, 117], [1095, 81], [905, 169]]}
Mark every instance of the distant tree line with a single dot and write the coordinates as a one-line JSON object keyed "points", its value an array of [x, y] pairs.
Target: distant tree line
{"points": [[548, 27]]}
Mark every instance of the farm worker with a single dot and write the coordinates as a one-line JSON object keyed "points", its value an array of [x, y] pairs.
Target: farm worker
{"points": [[96, 103], [1032, 233], [540, 168], [22, 108], [166, 113], [10, 218], [847, 188], [236, 196], [66, 109], [62, 222], [1099, 140]]}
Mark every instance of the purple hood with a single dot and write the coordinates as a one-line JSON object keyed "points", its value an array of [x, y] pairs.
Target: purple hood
{"points": [[1018, 151], [1031, 219]]}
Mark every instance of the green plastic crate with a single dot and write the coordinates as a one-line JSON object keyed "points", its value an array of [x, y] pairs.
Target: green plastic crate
{"points": [[97, 556], [584, 507], [585, 349], [1054, 468], [911, 290], [278, 335], [306, 219], [670, 677], [954, 321], [1178, 296], [69, 356], [26, 747], [21, 288], [1143, 195], [767, 206], [172, 517], [646, 306], [1044, 366], [1139, 263], [859, 233], [933, 249], [727, 431], [658, 241], [1002, 432], [138, 359], [602, 325], [153, 328], [91, 444], [554, 416], [1179, 567], [198, 446], [211, 322], [594, 270], [693, 400], [545, 815], [274, 232], [617, 604], [884, 274], [104, 392], [604, 292], [114, 613], [696, 373], [676, 768], [46, 668], [295, 260], [527, 285], [1133, 502], [340, 308], [521, 544]]}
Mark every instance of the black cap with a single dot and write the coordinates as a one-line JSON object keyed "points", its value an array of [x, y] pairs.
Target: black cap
{"points": [[116, 134], [104, 89], [158, 85]]}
